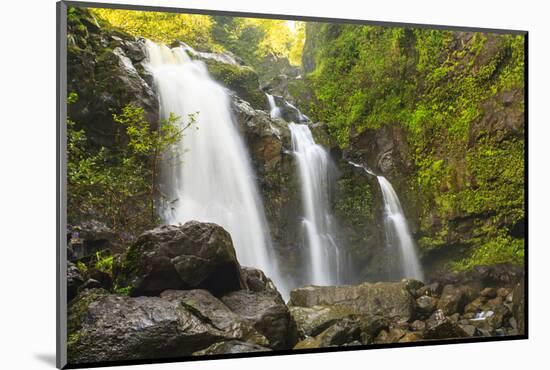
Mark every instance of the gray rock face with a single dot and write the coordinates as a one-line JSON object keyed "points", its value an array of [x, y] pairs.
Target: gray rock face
{"points": [[74, 280], [87, 238], [311, 321], [388, 299], [267, 313], [108, 327], [425, 305], [232, 346], [105, 69], [193, 255], [453, 299]]}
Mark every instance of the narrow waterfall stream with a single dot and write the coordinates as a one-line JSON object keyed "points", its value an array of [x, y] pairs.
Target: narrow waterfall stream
{"points": [[211, 179], [316, 173], [396, 228], [397, 231]]}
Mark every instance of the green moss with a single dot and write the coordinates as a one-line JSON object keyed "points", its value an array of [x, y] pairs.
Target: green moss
{"points": [[354, 204], [243, 80], [497, 250]]}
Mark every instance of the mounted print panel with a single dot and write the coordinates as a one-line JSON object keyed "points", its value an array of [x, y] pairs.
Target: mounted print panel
{"points": [[244, 184]]}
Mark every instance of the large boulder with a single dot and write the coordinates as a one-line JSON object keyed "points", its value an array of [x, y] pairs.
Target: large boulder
{"points": [[453, 299], [193, 255], [110, 327], [267, 313], [388, 299]]}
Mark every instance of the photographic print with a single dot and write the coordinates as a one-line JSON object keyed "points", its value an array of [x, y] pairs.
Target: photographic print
{"points": [[255, 184]]}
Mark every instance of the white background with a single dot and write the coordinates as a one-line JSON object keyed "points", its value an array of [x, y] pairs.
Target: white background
{"points": [[27, 182]]}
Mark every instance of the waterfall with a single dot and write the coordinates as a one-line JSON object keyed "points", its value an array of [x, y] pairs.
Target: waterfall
{"points": [[396, 228], [275, 111], [397, 231], [316, 172], [211, 180]]}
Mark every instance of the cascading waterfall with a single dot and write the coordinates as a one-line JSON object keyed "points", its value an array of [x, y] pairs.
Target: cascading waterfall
{"points": [[315, 170], [396, 228], [211, 179], [275, 111]]}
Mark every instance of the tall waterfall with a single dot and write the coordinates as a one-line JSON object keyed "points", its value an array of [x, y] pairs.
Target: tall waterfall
{"points": [[397, 231], [211, 179], [315, 169]]}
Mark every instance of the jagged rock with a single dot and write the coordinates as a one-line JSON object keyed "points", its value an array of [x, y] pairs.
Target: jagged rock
{"points": [[90, 284], [204, 305], [425, 305], [105, 68], [438, 326], [232, 346], [476, 305], [176, 324], [311, 321], [418, 325], [256, 281], [392, 300], [410, 337], [452, 300], [74, 280], [392, 335], [267, 313], [489, 292], [193, 255], [343, 332], [88, 238]]}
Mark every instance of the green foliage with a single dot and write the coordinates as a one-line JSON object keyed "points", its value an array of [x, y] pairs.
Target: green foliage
{"points": [[500, 249], [253, 39], [123, 290], [440, 86], [163, 27], [355, 202], [119, 184], [104, 263]]}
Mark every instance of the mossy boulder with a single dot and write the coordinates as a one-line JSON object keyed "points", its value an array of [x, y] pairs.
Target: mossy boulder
{"points": [[243, 80], [192, 255]]}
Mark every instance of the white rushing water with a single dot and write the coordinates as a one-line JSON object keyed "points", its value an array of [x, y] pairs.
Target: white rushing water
{"points": [[275, 111], [315, 169], [397, 231], [211, 180]]}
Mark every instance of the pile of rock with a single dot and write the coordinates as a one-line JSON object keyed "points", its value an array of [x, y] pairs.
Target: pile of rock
{"points": [[187, 294], [406, 311]]}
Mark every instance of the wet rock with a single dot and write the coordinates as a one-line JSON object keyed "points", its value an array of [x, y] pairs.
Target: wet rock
{"points": [[311, 321], [343, 332], [256, 281], [74, 280], [210, 309], [267, 313], [438, 326], [418, 325], [232, 346], [452, 300], [151, 327], [387, 299], [476, 305], [392, 335], [410, 337], [489, 292], [88, 238], [90, 284], [193, 255], [425, 305], [470, 330]]}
